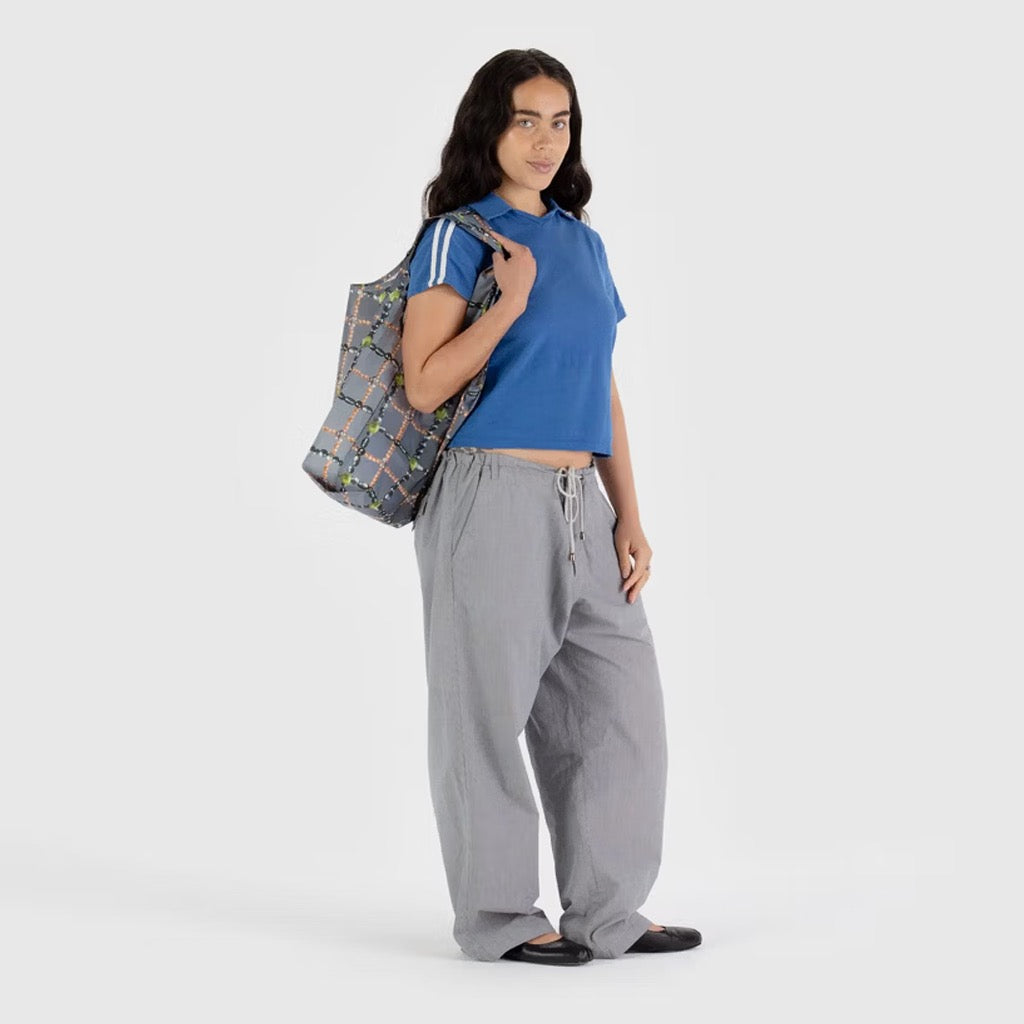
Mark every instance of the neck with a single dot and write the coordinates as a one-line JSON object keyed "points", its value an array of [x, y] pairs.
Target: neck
{"points": [[526, 199]]}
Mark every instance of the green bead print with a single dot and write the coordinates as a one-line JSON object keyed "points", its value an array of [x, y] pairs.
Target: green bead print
{"points": [[427, 433]]}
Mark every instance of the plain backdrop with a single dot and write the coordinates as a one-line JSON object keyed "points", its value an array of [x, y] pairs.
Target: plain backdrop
{"points": [[213, 793]]}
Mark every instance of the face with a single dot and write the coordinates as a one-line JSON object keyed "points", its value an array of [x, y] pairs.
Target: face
{"points": [[532, 148]]}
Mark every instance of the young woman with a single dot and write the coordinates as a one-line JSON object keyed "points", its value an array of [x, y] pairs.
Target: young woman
{"points": [[531, 580]]}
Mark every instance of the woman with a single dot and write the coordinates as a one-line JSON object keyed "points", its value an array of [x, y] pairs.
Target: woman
{"points": [[532, 610]]}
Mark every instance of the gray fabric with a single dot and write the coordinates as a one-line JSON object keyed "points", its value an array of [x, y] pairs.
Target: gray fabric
{"points": [[374, 452], [520, 635]]}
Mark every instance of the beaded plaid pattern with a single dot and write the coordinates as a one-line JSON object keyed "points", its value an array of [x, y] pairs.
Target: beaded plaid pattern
{"points": [[375, 453]]}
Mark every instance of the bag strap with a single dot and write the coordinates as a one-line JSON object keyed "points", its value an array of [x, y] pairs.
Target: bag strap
{"points": [[468, 218]]}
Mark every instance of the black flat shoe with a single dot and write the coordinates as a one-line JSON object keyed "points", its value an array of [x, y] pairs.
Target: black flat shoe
{"points": [[561, 951], [674, 937]]}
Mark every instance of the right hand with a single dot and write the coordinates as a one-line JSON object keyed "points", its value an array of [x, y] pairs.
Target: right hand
{"points": [[515, 275]]}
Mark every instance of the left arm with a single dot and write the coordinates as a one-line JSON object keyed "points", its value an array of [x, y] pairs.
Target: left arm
{"points": [[616, 474]]}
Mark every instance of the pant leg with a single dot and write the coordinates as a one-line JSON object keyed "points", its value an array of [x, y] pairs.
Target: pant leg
{"points": [[496, 598], [597, 740]]}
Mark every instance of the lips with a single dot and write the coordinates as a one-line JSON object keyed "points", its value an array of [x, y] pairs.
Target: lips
{"points": [[543, 168]]}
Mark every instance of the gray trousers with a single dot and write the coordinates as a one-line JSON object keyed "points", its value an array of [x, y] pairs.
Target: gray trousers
{"points": [[527, 627]]}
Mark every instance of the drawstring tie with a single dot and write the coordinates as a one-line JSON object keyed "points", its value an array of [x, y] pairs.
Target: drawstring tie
{"points": [[570, 485]]}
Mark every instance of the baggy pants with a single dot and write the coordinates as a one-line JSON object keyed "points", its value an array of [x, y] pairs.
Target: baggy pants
{"points": [[527, 627]]}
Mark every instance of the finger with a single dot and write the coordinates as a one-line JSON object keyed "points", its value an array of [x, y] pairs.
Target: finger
{"points": [[508, 242], [625, 563], [638, 575], [635, 592], [511, 246], [645, 578], [632, 580]]}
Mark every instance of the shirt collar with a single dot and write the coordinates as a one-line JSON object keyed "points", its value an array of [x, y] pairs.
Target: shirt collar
{"points": [[492, 205]]}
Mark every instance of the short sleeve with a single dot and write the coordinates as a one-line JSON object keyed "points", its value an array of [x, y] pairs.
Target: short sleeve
{"points": [[609, 283], [620, 311], [447, 254]]}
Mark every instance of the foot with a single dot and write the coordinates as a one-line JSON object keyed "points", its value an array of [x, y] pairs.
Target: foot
{"points": [[558, 950], [666, 939]]}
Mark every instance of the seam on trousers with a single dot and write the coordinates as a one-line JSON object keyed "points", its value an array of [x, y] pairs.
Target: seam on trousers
{"points": [[584, 799], [461, 908]]}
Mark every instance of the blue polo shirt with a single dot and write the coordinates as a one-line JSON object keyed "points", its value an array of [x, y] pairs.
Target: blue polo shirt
{"points": [[548, 381]]}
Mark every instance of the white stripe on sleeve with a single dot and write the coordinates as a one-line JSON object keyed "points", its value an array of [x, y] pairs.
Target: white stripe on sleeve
{"points": [[438, 270], [433, 251]]}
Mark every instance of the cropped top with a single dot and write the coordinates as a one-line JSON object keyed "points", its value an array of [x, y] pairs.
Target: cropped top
{"points": [[548, 381]]}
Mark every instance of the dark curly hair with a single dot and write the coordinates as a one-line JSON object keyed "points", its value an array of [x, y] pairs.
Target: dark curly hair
{"points": [[469, 162]]}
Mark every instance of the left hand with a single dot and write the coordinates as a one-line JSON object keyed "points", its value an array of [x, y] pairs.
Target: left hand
{"points": [[631, 542]]}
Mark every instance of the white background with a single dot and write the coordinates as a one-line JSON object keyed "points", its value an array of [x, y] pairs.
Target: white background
{"points": [[213, 791]]}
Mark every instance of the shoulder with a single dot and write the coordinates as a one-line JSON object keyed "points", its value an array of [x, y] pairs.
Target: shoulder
{"points": [[587, 236], [444, 235], [592, 235], [590, 238], [447, 254]]}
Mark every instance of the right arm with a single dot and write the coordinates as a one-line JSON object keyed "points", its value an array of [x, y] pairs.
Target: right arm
{"points": [[438, 359]]}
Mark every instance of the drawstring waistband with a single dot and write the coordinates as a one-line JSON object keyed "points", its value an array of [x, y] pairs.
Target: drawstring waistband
{"points": [[570, 484], [570, 481]]}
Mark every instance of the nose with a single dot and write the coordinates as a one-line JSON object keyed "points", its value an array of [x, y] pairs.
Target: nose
{"points": [[543, 140]]}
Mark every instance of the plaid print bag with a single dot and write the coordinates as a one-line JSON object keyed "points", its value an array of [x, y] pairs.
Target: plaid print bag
{"points": [[375, 453]]}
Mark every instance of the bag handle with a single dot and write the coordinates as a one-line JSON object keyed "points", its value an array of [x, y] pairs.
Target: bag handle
{"points": [[468, 218]]}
